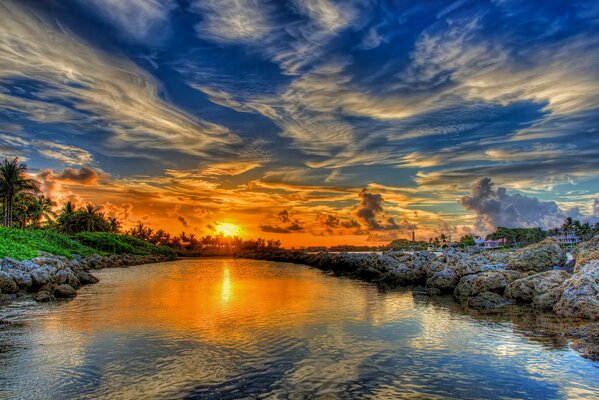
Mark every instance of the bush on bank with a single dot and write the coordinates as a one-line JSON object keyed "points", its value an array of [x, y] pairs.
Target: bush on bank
{"points": [[121, 244], [24, 244]]}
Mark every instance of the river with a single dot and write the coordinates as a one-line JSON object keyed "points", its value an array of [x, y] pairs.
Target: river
{"points": [[225, 329]]}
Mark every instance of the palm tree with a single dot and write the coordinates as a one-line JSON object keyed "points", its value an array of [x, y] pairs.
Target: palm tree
{"points": [[13, 181]]}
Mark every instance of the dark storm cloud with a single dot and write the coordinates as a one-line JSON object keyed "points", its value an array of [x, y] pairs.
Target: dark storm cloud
{"points": [[371, 213], [496, 208]]}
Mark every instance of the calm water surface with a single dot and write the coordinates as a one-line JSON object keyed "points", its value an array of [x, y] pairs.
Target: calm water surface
{"points": [[224, 329]]}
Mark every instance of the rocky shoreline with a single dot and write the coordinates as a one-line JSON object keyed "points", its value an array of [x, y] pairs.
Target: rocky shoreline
{"points": [[541, 276], [49, 277]]}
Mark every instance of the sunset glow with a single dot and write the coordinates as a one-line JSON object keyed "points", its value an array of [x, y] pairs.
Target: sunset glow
{"points": [[227, 229], [361, 124]]}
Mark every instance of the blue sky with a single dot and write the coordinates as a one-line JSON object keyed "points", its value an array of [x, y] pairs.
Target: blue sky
{"points": [[189, 113]]}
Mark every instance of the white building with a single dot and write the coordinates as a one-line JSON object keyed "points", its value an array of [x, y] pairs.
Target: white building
{"points": [[566, 238]]}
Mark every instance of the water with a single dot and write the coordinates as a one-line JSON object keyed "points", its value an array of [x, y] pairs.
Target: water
{"points": [[224, 329]]}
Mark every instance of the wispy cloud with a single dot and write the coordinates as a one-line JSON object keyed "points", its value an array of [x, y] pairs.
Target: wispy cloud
{"points": [[109, 90], [138, 19]]}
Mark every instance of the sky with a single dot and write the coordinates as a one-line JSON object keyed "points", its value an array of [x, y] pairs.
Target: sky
{"points": [[316, 122]]}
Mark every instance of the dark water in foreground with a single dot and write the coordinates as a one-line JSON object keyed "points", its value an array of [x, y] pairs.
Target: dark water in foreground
{"points": [[214, 328]]}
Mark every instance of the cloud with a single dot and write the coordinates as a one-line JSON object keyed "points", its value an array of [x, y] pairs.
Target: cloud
{"points": [[283, 216], [110, 91], [183, 221], [67, 154], [233, 20], [495, 208], [291, 225], [84, 176], [370, 211], [138, 19], [294, 227]]}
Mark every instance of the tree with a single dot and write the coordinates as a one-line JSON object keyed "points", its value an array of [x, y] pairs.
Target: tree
{"points": [[13, 181]]}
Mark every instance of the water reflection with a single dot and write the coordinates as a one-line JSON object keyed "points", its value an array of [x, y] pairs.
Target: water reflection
{"points": [[235, 328]]}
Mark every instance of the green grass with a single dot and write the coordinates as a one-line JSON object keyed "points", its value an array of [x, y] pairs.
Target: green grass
{"points": [[23, 244], [120, 244], [26, 244]]}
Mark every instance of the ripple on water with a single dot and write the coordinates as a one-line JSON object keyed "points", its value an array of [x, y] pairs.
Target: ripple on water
{"points": [[220, 329]]}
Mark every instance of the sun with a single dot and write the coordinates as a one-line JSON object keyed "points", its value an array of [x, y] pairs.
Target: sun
{"points": [[227, 229]]}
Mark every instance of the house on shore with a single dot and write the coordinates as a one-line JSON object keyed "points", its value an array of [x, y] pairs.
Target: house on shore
{"points": [[566, 238], [495, 244]]}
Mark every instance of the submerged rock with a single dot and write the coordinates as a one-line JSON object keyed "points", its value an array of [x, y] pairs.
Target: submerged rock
{"points": [[580, 297], [587, 340], [86, 278], [543, 289], [488, 301], [538, 257]]}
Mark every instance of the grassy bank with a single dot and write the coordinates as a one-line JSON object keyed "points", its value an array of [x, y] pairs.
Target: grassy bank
{"points": [[23, 244]]}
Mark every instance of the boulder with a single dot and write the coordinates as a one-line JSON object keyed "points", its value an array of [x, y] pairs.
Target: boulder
{"points": [[7, 283], [27, 266], [405, 273], [580, 297], [9, 263], [67, 276], [64, 291], [444, 280], [41, 276], [543, 289], [22, 279], [488, 301], [55, 262], [538, 257], [488, 281], [585, 256], [86, 278]]}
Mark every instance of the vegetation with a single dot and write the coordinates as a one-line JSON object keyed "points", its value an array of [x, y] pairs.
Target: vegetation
{"points": [[518, 236], [584, 231], [121, 244], [24, 244], [407, 245]]}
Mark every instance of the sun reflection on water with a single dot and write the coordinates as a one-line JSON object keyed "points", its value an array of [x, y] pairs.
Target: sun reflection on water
{"points": [[226, 285]]}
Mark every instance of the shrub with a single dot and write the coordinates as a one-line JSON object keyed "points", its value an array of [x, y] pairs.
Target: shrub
{"points": [[24, 244]]}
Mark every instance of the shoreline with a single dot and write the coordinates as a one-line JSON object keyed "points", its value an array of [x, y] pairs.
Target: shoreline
{"points": [[486, 281], [491, 283], [50, 277]]}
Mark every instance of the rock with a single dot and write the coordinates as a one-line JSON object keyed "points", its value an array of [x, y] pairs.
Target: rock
{"points": [[488, 281], [86, 278], [406, 274], [41, 276], [28, 266], [538, 257], [584, 257], [9, 263], [22, 279], [543, 289], [587, 341], [7, 283], [55, 262], [445, 280], [67, 276], [64, 291], [43, 296], [488, 301], [580, 297]]}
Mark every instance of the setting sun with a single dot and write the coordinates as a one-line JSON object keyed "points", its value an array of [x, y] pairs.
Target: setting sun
{"points": [[227, 229]]}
